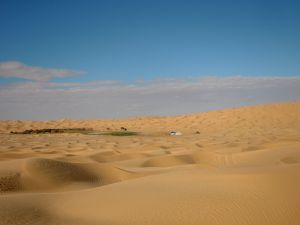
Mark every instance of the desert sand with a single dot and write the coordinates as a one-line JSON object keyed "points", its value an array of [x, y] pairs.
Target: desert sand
{"points": [[230, 167]]}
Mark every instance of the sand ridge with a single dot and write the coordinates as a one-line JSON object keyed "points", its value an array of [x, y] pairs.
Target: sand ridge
{"points": [[234, 166]]}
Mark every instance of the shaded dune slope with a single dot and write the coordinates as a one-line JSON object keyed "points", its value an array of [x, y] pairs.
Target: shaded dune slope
{"points": [[40, 174]]}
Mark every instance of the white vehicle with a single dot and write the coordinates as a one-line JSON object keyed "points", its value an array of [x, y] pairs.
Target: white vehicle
{"points": [[175, 133]]}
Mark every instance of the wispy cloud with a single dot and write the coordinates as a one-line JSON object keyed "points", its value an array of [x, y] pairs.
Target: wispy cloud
{"points": [[20, 70], [106, 99]]}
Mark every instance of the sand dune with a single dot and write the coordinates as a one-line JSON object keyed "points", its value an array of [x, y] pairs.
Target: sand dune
{"points": [[230, 167]]}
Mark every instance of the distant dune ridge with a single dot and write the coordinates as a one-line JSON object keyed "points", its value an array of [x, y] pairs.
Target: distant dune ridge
{"points": [[229, 167]]}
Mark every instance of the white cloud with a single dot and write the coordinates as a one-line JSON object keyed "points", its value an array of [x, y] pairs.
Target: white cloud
{"points": [[20, 70], [106, 99]]}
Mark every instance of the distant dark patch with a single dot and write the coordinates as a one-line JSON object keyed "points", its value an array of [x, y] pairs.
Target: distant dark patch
{"points": [[54, 130]]}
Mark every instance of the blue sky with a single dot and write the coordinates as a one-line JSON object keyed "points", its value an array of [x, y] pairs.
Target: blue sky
{"points": [[96, 59], [133, 40]]}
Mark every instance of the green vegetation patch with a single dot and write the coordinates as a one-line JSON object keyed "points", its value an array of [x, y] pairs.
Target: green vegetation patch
{"points": [[114, 133]]}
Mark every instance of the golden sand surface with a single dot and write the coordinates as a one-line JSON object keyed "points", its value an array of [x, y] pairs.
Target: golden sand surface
{"points": [[230, 167]]}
